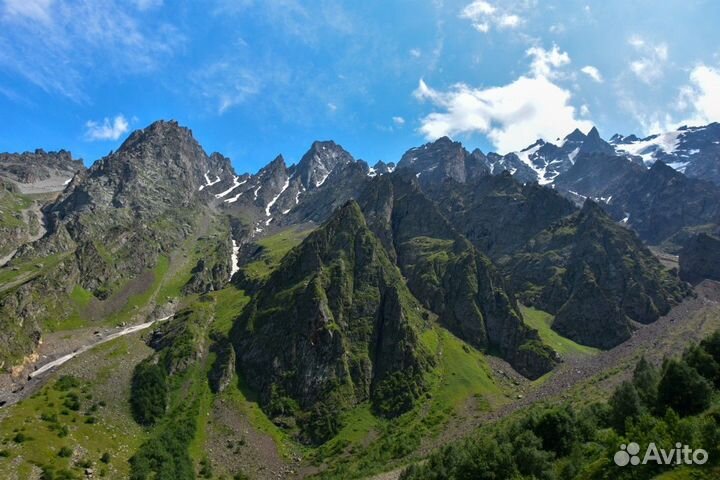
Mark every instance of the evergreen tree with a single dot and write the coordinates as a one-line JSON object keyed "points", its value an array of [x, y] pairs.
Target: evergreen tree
{"points": [[683, 389]]}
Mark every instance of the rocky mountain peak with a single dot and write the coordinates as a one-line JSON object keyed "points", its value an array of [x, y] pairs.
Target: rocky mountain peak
{"points": [[444, 159], [575, 136], [158, 133], [317, 164]]}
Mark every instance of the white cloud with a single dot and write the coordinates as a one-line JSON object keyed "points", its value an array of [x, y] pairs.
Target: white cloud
{"points": [[483, 15], [653, 57], [584, 110], [509, 21], [415, 53], [399, 121], [512, 116], [107, 130], [545, 62], [701, 99], [38, 10], [226, 84], [332, 107], [592, 72], [53, 44]]}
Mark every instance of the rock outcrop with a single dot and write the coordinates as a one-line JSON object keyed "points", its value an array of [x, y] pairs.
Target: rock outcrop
{"points": [[700, 259]]}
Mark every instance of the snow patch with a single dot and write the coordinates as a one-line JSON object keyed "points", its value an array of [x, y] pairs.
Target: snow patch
{"points": [[208, 182], [234, 268], [649, 147], [235, 185], [679, 166], [272, 202], [573, 154], [322, 180], [525, 157]]}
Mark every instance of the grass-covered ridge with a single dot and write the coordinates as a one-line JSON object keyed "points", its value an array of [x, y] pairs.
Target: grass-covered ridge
{"points": [[542, 322], [270, 252]]}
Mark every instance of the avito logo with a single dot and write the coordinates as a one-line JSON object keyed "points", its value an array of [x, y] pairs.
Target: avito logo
{"points": [[680, 455]]}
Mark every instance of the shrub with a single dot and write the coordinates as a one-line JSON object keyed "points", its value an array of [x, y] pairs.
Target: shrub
{"points": [[148, 393], [65, 452]]}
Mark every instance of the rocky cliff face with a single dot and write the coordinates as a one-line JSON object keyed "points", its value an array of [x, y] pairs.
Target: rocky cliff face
{"points": [[132, 205], [39, 171], [449, 276], [700, 258], [444, 159], [333, 326], [595, 276], [497, 213]]}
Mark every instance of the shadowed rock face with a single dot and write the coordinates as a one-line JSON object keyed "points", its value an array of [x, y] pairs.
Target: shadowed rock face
{"points": [[700, 258], [449, 276], [444, 159], [497, 213], [595, 276]]}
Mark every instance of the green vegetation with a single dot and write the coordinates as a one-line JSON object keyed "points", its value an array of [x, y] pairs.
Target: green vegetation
{"points": [[172, 387], [272, 250], [542, 322], [229, 304], [42, 431], [149, 393], [461, 384], [674, 404], [11, 204]]}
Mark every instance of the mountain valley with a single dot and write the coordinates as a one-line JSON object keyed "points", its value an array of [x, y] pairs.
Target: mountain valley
{"points": [[333, 319]]}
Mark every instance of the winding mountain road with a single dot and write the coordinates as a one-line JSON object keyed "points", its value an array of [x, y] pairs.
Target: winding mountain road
{"points": [[35, 377]]}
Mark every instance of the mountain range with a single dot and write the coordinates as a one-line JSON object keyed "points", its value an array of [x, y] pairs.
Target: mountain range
{"points": [[330, 288]]}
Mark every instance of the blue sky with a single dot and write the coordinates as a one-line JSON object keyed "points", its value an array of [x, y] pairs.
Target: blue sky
{"points": [[254, 78]]}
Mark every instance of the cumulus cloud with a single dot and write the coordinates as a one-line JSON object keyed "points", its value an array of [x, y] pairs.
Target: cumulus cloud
{"points": [[701, 98], [546, 62], [511, 116], [592, 72], [399, 121], [108, 129], [484, 15], [648, 67]]}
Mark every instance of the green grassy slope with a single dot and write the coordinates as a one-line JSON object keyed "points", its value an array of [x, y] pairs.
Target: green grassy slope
{"points": [[542, 322]]}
